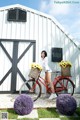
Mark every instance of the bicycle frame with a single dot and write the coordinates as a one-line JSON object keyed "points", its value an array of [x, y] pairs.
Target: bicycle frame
{"points": [[42, 81], [56, 79], [60, 84]]}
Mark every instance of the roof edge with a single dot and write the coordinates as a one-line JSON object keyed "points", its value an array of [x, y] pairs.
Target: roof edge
{"points": [[42, 14]]}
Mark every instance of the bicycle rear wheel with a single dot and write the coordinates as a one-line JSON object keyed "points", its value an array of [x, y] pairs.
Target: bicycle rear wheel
{"points": [[64, 86], [32, 88]]}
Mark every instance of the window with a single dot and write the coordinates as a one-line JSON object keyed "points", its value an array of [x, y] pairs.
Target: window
{"points": [[56, 54], [17, 15]]}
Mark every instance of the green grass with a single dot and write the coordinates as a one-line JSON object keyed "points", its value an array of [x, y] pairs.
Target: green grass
{"points": [[28, 119], [70, 118], [78, 111], [48, 113], [44, 113]]}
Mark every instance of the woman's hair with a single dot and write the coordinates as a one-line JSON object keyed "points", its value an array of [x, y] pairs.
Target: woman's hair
{"points": [[44, 53]]}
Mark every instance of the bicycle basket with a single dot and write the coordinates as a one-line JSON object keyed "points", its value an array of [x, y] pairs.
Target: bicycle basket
{"points": [[34, 73], [66, 71]]}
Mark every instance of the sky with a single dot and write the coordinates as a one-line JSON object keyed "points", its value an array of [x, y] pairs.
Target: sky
{"points": [[67, 12]]}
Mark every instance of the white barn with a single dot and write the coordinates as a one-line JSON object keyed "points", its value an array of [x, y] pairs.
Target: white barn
{"points": [[24, 33]]}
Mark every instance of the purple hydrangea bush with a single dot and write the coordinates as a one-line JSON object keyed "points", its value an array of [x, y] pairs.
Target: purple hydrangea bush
{"points": [[66, 104], [23, 104]]}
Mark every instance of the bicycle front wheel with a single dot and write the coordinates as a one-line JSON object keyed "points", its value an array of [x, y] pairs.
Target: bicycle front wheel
{"points": [[32, 88], [64, 86]]}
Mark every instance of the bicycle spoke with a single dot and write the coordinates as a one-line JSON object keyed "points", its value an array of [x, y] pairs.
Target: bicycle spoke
{"points": [[31, 88], [64, 86], [67, 83]]}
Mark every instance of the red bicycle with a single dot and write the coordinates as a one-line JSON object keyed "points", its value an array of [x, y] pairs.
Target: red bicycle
{"points": [[61, 85]]}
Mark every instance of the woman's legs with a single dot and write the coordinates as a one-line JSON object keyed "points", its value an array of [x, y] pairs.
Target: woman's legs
{"points": [[48, 80]]}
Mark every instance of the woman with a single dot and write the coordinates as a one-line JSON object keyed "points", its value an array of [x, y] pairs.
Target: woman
{"points": [[47, 70]]}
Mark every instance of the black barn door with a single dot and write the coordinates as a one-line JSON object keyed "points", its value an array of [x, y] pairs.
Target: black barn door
{"points": [[15, 59]]}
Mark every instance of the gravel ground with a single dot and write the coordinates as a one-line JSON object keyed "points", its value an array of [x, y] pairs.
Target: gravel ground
{"points": [[7, 101]]}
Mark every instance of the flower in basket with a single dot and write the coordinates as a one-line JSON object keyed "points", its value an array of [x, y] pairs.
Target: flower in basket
{"points": [[64, 64], [35, 65]]}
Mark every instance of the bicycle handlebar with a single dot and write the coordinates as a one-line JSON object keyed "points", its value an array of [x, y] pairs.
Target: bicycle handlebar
{"points": [[56, 71]]}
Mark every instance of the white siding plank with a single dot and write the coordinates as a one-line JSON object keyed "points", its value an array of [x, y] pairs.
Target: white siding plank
{"points": [[27, 31], [13, 31], [4, 29], [36, 37], [19, 82], [49, 34], [19, 30], [45, 34], [53, 34], [22, 31], [31, 25], [1, 23], [9, 30], [40, 38]]}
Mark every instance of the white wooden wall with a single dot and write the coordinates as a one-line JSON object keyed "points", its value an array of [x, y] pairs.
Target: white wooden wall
{"points": [[48, 33], [5, 65]]}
